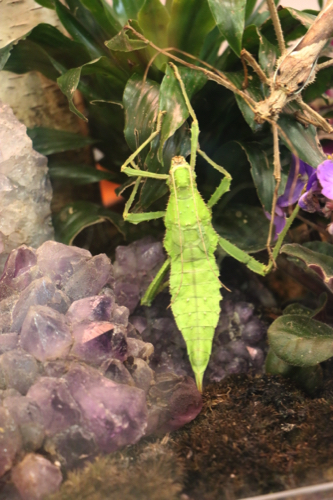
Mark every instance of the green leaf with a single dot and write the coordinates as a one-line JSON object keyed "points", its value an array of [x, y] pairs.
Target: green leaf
{"points": [[318, 262], [229, 15], [110, 74], [49, 4], [28, 56], [268, 54], [141, 109], [237, 223], [78, 31], [297, 308], [309, 378], [103, 14], [75, 217], [124, 43], [172, 101], [154, 19], [127, 9], [44, 49], [262, 169], [78, 174], [300, 341], [303, 140], [48, 141], [190, 22], [254, 90], [250, 4], [295, 23]]}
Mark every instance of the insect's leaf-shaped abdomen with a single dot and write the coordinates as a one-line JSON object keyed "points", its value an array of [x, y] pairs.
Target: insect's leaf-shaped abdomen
{"points": [[190, 242]]}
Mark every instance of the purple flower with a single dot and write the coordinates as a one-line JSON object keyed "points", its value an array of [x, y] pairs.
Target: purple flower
{"points": [[299, 173], [325, 177], [319, 192]]}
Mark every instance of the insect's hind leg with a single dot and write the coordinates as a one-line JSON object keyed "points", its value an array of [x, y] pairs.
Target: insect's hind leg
{"points": [[155, 285]]}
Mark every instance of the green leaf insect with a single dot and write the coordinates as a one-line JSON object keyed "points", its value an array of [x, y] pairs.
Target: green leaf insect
{"points": [[190, 242]]}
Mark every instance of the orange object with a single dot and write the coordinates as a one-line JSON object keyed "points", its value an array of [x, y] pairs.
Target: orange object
{"points": [[108, 190]]}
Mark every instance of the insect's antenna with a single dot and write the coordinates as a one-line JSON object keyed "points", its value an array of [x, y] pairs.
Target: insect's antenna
{"points": [[277, 25], [216, 76]]}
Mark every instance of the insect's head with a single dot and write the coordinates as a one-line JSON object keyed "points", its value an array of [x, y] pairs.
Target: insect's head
{"points": [[181, 172]]}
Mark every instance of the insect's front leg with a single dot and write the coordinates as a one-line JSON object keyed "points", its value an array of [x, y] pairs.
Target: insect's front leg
{"points": [[314, 118]]}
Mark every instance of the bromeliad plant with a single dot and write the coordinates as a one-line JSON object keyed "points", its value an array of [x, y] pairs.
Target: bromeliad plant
{"points": [[121, 67]]}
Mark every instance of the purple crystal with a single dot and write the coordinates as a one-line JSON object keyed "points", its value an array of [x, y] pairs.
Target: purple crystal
{"points": [[116, 414], [59, 261], [19, 271], [244, 311], [127, 293], [58, 409], [10, 440], [8, 341], [257, 357], [27, 416], [60, 302], [93, 342], [89, 278], [116, 371], [19, 369], [142, 375], [36, 477], [174, 401], [238, 349], [45, 333], [139, 322], [149, 254], [139, 349], [38, 293], [120, 315], [97, 308], [6, 313], [236, 366], [253, 331], [72, 447]]}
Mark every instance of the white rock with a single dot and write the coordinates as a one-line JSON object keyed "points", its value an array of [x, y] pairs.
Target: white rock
{"points": [[25, 189]]}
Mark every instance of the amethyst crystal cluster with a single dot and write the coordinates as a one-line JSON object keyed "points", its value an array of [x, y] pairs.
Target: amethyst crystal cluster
{"points": [[78, 376]]}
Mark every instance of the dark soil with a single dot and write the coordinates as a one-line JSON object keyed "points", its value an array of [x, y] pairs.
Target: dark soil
{"points": [[253, 436]]}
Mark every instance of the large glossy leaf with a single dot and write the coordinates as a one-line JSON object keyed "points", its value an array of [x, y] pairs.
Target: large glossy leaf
{"points": [[28, 56], [236, 225], [267, 55], [126, 9], [125, 42], [141, 109], [262, 169], [111, 75], [309, 378], [104, 15], [78, 31], [154, 19], [295, 23], [171, 100], [318, 262], [48, 141], [254, 90], [79, 174], [44, 49], [229, 15], [191, 21], [303, 140], [75, 217], [300, 341]]}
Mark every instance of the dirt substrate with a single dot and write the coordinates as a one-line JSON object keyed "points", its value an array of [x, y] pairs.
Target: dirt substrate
{"points": [[253, 436]]}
